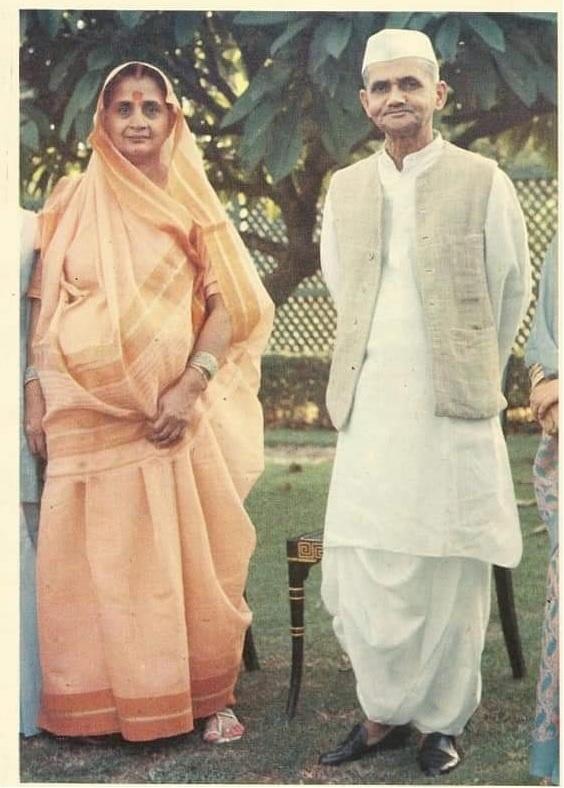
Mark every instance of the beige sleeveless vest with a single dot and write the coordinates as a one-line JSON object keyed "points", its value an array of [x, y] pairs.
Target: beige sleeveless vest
{"points": [[451, 204]]}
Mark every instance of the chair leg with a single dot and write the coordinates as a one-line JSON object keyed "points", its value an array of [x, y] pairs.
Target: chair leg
{"points": [[508, 617], [297, 573], [250, 656]]}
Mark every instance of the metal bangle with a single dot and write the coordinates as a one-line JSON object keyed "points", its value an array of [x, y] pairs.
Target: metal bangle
{"points": [[201, 371], [206, 361], [30, 374]]}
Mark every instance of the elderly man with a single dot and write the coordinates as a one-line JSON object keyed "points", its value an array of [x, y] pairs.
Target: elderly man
{"points": [[424, 251]]}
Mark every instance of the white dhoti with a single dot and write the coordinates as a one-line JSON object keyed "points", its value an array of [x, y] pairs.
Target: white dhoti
{"points": [[414, 629]]}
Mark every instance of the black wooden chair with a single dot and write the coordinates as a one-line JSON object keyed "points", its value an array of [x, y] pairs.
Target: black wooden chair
{"points": [[250, 656]]}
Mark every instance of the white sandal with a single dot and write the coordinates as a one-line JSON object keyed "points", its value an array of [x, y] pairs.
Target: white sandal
{"points": [[223, 727]]}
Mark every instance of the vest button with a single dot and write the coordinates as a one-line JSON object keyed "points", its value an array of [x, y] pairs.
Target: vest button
{"points": [[371, 255]]}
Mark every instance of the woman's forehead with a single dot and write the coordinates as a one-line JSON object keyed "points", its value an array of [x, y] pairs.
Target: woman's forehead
{"points": [[137, 89]]}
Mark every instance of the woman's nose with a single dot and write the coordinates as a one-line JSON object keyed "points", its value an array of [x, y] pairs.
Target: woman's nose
{"points": [[137, 118]]}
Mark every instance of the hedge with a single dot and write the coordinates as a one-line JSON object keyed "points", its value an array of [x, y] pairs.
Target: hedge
{"points": [[293, 391]]}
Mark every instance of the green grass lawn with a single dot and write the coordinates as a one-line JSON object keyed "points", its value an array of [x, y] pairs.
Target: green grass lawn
{"points": [[284, 503]]}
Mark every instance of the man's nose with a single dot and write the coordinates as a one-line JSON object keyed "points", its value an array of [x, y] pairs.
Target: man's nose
{"points": [[396, 95]]}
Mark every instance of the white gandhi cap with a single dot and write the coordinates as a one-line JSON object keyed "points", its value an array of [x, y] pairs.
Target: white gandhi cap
{"points": [[391, 44]]}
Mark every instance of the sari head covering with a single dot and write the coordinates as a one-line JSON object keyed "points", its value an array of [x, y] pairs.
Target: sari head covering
{"points": [[143, 551], [150, 249]]}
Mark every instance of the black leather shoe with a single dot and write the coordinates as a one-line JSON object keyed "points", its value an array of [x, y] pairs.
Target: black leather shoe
{"points": [[438, 754], [355, 747]]}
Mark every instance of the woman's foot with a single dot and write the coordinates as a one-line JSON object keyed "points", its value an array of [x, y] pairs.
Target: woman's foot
{"points": [[222, 727]]}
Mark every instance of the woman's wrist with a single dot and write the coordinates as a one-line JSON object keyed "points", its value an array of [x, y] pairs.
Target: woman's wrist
{"points": [[194, 380]]}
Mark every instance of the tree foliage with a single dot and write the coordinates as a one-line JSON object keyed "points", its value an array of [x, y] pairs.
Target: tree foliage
{"points": [[273, 96]]}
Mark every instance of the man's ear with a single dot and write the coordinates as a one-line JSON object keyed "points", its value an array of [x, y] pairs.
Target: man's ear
{"points": [[363, 95], [441, 94]]}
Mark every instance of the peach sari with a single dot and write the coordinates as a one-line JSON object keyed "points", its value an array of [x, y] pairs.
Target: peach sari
{"points": [[143, 552]]}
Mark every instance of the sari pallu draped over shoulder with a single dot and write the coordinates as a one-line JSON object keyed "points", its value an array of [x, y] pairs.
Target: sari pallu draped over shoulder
{"points": [[143, 552]]}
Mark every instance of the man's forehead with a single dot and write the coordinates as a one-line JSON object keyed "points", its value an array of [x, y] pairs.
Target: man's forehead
{"points": [[397, 69]]}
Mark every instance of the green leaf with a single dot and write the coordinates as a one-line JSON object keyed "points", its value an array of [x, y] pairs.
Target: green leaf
{"points": [[519, 74], [488, 30], [342, 129], [61, 70], [446, 39], [264, 18], [185, 25], [546, 80], [254, 141], [50, 21], [284, 144], [399, 19], [293, 29], [251, 155], [41, 120], [338, 36], [260, 119], [419, 21], [318, 53], [330, 39], [268, 80], [83, 123], [485, 75], [101, 57], [364, 23], [130, 18], [327, 76], [29, 135], [541, 16], [83, 94]]}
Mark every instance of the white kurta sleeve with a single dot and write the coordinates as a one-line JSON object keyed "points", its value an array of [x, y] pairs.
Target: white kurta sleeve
{"points": [[507, 262], [328, 251]]}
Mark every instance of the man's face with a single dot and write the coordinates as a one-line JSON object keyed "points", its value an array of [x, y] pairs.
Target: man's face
{"points": [[401, 96], [138, 120]]}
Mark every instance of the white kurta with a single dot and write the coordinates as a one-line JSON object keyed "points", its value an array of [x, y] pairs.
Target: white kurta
{"points": [[405, 480]]}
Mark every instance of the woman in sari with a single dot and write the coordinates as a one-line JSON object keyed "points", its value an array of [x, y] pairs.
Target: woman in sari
{"points": [[148, 322], [542, 359]]}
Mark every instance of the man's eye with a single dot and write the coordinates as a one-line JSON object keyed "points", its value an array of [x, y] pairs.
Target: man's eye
{"points": [[380, 87]]}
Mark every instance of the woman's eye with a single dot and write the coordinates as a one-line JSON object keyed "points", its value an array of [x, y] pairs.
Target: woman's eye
{"points": [[152, 110], [123, 111]]}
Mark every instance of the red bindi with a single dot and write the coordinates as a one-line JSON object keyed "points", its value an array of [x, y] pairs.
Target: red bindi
{"points": [[137, 95]]}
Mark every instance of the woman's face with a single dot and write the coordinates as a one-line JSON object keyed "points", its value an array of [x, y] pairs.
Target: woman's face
{"points": [[137, 119]]}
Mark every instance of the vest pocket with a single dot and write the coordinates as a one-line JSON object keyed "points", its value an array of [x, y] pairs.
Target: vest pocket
{"points": [[474, 383]]}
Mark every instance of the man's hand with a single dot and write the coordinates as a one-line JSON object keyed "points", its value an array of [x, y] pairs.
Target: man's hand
{"points": [[175, 408], [34, 412], [543, 397]]}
